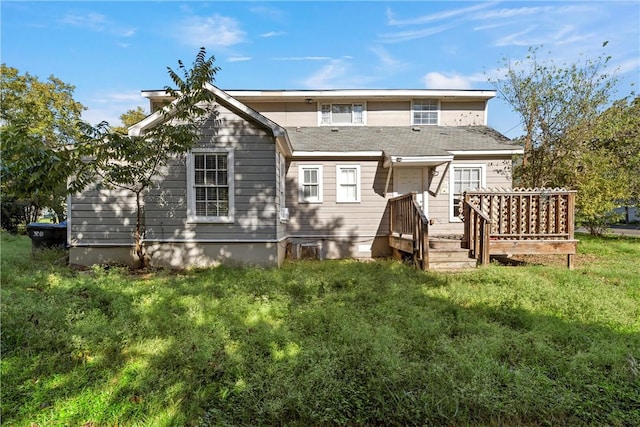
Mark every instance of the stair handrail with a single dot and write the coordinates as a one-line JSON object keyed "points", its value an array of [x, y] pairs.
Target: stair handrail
{"points": [[407, 218], [477, 228]]}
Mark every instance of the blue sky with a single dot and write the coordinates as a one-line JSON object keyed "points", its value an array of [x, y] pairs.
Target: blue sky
{"points": [[111, 50]]}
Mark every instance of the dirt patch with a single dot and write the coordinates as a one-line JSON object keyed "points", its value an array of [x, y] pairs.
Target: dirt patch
{"points": [[548, 260]]}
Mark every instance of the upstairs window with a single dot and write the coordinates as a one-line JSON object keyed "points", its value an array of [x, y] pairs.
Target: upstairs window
{"points": [[342, 114], [425, 111]]}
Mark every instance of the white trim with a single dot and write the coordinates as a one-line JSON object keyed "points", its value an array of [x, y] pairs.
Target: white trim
{"points": [[217, 241], [69, 211], [301, 169], [191, 197], [297, 154], [420, 160], [486, 113], [281, 161], [453, 217], [488, 152], [354, 93], [339, 199]]}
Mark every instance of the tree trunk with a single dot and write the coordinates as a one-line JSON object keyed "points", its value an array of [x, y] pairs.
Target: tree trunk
{"points": [[138, 233]]}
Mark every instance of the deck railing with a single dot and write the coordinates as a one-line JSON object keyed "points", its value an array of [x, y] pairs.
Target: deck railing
{"points": [[508, 221], [409, 228]]}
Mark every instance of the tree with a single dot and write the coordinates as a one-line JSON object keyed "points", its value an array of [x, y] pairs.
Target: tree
{"points": [[606, 169], [132, 162], [130, 118], [551, 100], [38, 122]]}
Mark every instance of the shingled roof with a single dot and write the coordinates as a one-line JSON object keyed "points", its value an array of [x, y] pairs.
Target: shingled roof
{"points": [[399, 141]]}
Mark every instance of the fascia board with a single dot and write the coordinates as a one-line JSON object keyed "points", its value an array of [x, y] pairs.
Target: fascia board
{"points": [[350, 154], [487, 152]]}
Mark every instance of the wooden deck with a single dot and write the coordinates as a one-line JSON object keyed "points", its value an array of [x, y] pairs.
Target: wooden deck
{"points": [[496, 222], [519, 221]]}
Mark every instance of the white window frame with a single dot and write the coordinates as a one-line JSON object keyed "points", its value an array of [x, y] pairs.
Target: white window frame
{"points": [[453, 216], [332, 123], [339, 196], [437, 111], [301, 184], [284, 212], [191, 194]]}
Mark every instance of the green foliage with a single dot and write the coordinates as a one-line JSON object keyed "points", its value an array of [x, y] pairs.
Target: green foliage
{"points": [[38, 122], [132, 162], [551, 100], [322, 343], [130, 118]]}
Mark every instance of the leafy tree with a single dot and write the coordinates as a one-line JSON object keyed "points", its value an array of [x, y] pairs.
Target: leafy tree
{"points": [[551, 100], [606, 169], [132, 162], [130, 118], [38, 122]]}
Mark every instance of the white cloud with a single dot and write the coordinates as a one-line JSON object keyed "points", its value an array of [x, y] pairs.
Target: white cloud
{"points": [[403, 36], [337, 74], [111, 105], [211, 31], [389, 64], [239, 59], [435, 80], [303, 58], [273, 34], [98, 23], [446, 14]]}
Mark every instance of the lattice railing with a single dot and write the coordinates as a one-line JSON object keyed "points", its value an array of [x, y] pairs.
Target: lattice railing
{"points": [[526, 214]]}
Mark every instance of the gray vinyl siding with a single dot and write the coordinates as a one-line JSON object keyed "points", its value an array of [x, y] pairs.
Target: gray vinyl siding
{"points": [[100, 219], [355, 221]]}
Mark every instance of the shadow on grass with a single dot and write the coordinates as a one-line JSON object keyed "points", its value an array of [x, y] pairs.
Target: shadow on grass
{"points": [[308, 344]]}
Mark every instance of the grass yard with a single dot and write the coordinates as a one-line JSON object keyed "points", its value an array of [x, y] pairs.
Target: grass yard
{"points": [[322, 343]]}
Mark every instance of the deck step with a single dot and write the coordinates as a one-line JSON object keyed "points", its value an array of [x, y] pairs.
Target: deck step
{"points": [[450, 259], [444, 243]]}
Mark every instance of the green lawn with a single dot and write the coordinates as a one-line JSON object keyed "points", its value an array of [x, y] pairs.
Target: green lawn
{"points": [[322, 343]]}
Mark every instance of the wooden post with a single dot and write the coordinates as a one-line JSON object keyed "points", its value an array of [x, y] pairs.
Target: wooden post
{"points": [[570, 261], [485, 243], [425, 246]]}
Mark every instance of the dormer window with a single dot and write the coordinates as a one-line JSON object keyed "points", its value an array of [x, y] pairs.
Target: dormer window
{"points": [[342, 114], [425, 111]]}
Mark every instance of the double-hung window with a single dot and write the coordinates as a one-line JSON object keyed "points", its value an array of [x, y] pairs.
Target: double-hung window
{"points": [[210, 191], [342, 114], [347, 183], [464, 178], [310, 179], [425, 111]]}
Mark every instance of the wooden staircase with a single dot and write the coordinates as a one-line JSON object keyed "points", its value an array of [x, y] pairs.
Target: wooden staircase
{"points": [[409, 238], [447, 254]]}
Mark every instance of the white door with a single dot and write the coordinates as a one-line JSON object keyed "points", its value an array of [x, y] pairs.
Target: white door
{"points": [[407, 179]]}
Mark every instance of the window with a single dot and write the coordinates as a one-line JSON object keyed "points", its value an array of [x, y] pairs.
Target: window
{"points": [[210, 186], [425, 112], [341, 114], [310, 177], [463, 178], [347, 183]]}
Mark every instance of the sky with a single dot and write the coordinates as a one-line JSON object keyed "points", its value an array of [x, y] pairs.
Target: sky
{"points": [[110, 51]]}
